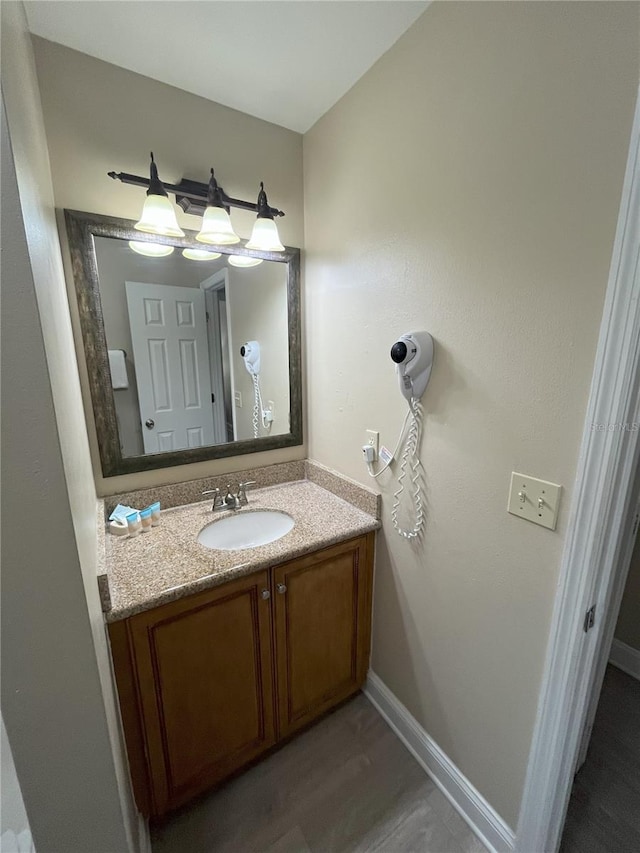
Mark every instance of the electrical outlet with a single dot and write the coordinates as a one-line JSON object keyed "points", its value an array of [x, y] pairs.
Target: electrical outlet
{"points": [[237, 396], [268, 413], [373, 440], [533, 499]]}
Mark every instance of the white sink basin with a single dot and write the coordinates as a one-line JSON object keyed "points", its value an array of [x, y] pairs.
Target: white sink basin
{"points": [[246, 530]]}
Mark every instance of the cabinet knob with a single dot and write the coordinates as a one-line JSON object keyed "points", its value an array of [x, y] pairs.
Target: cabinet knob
{"points": [[266, 594], [282, 588]]}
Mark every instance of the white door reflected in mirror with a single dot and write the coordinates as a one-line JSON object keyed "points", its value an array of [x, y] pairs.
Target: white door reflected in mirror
{"points": [[170, 349]]}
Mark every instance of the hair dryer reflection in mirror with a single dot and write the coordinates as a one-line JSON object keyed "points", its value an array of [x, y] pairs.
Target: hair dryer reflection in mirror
{"points": [[250, 352]]}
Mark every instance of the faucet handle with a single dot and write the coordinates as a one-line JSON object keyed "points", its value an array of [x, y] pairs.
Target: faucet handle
{"points": [[242, 491], [217, 500]]}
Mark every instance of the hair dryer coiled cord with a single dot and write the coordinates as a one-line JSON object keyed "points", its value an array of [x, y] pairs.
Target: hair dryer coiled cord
{"points": [[258, 408], [257, 405], [411, 458]]}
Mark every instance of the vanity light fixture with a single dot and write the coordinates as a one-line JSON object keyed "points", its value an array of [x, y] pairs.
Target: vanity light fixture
{"points": [[265, 232], [150, 250], [158, 214], [200, 255], [244, 261]]}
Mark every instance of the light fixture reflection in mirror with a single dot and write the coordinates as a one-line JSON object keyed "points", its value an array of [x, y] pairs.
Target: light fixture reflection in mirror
{"points": [[244, 261], [150, 250], [200, 255]]}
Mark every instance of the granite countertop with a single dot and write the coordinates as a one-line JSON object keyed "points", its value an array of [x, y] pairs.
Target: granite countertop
{"points": [[168, 563]]}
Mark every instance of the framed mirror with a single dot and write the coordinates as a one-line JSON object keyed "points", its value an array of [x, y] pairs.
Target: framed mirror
{"points": [[193, 352]]}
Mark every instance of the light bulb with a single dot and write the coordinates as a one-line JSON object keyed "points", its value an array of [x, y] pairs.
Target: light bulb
{"points": [[200, 255], [159, 217], [217, 228], [244, 261], [265, 236], [150, 250]]}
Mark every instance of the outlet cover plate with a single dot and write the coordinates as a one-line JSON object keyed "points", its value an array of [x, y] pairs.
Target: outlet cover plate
{"points": [[373, 440], [536, 500]]}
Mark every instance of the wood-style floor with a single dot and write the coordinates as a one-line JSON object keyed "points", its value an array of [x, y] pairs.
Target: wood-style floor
{"points": [[347, 784], [604, 810]]}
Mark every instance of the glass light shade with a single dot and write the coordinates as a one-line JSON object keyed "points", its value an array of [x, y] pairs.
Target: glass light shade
{"points": [[200, 255], [150, 250], [159, 217], [265, 236], [217, 228], [244, 261]]}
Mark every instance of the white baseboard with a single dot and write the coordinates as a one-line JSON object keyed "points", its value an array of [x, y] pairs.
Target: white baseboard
{"points": [[625, 658], [476, 811], [20, 842], [144, 836]]}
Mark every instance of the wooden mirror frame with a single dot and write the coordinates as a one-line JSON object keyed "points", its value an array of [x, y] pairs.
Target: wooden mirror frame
{"points": [[81, 230]]}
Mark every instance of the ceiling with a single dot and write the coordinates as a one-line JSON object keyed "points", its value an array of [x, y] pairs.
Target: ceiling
{"points": [[285, 62]]}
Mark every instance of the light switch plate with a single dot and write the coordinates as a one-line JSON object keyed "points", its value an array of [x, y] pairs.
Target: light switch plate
{"points": [[536, 500]]}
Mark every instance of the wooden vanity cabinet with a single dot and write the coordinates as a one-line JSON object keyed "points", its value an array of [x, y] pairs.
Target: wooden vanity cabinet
{"points": [[200, 673], [211, 681], [322, 610]]}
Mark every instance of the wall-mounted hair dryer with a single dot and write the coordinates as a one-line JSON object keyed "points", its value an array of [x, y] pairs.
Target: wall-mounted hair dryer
{"points": [[413, 355], [251, 355]]}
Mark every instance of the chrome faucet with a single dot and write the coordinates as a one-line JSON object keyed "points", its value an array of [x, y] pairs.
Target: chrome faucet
{"points": [[230, 501]]}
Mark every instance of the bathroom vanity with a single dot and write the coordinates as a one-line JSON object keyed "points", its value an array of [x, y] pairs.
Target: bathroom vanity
{"points": [[219, 655], [214, 668]]}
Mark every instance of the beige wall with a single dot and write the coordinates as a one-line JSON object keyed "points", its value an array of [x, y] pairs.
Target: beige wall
{"points": [[628, 626], [99, 118], [469, 184], [58, 701]]}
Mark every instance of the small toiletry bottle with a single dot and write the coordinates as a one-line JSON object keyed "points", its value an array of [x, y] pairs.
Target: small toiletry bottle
{"points": [[145, 519], [155, 514], [134, 524]]}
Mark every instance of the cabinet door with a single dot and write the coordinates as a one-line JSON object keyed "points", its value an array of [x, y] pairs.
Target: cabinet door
{"points": [[323, 620], [204, 671]]}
